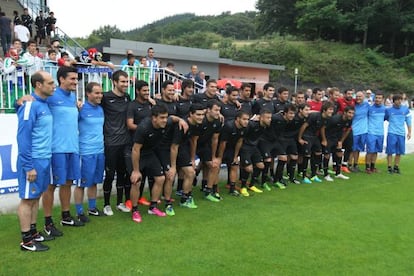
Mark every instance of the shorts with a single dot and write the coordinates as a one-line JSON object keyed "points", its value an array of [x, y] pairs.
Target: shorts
{"points": [[286, 147], [92, 169], [360, 142], [250, 155], [204, 152], [395, 144], [268, 149], [150, 165], [228, 156], [33, 190], [313, 145], [165, 158], [375, 143], [183, 157], [65, 166], [331, 147]]}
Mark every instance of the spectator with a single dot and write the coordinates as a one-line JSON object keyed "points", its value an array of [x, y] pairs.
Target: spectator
{"points": [[193, 74], [16, 17], [22, 33], [153, 64], [50, 24], [27, 20], [125, 60], [5, 32], [40, 28]]}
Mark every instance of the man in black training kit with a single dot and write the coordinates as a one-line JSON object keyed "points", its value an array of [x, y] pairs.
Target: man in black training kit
{"points": [[229, 105], [231, 140]]}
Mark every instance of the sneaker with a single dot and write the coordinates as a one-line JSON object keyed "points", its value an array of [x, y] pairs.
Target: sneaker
{"points": [[33, 246], [331, 171], [121, 207], [316, 179], [143, 201], [83, 218], [52, 231], [136, 217], [306, 180], [157, 212], [212, 198], [244, 192], [218, 196], [70, 221], [368, 171], [95, 212], [40, 237], [189, 203], [355, 169], [389, 170], [280, 185], [169, 210], [179, 193], [396, 170], [328, 178], [294, 181], [234, 193], [107, 210], [345, 169], [128, 204], [341, 176], [266, 186], [255, 189]]}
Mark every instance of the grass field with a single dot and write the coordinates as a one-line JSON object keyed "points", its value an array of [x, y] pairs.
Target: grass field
{"points": [[364, 226]]}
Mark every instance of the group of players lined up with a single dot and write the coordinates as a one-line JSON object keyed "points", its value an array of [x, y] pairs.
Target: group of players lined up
{"points": [[159, 139]]}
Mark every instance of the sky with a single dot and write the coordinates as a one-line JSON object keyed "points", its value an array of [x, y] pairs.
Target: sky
{"points": [[78, 18]]}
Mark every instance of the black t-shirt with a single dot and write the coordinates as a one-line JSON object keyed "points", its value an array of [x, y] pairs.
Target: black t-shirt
{"points": [[183, 107], [115, 110], [231, 134], [202, 98], [263, 104], [229, 111], [253, 133], [315, 122], [149, 136], [335, 127], [183, 139], [138, 112], [246, 106], [171, 106], [208, 129], [279, 124], [279, 105], [292, 128]]}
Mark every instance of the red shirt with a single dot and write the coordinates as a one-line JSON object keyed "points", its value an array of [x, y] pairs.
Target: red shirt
{"points": [[344, 103], [316, 106]]}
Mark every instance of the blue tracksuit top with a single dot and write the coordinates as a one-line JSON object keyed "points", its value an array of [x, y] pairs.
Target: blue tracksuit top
{"points": [[397, 118], [34, 134], [376, 114], [360, 120], [91, 120], [65, 121]]}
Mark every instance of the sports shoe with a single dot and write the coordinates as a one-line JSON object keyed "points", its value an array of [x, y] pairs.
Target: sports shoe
{"points": [[345, 169], [234, 193], [128, 204], [121, 207], [136, 217], [244, 192], [40, 237], [294, 181], [255, 189], [212, 198], [355, 169], [266, 186], [218, 196], [143, 201], [107, 210], [328, 178], [280, 185], [342, 176], [169, 210], [368, 171], [331, 171], [83, 218], [52, 231], [70, 221], [33, 246], [157, 212], [179, 193], [306, 180], [95, 212], [189, 203], [396, 170], [390, 170], [316, 179]]}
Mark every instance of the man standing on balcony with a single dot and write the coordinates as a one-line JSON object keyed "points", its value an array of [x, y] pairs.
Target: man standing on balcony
{"points": [[5, 32], [40, 28], [153, 65], [193, 74], [27, 20]]}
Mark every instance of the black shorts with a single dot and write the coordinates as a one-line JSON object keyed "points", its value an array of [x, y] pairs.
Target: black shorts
{"points": [[228, 156], [165, 158], [288, 146], [150, 165], [250, 155], [183, 157], [204, 152], [313, 145], [331, 147], [267, 149]]}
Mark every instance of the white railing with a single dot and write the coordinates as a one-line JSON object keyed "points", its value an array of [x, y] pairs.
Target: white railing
{"points": [[16, 84]]}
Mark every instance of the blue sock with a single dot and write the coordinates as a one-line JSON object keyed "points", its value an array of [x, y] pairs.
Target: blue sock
{"points": [[92, 203], [79, 208]]}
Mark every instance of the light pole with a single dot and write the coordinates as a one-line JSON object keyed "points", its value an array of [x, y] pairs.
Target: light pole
{"points": [[296, 79]]}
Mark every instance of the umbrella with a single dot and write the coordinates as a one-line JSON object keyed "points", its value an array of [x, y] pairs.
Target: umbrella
{"points": [[223, 82]]}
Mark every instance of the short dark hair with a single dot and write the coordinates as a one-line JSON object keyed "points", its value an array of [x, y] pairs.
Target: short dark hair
{"points": [[195, 107], [89, 87], [348, 107], [282, 89], [268, 85], [156, 110], [230, 89], [315, 90], [241, 113], [212, 103], [139, 84], [117, 74], [265, 111], [244, 85], [64, 71], [187, 83], [210, 81], [397, 97], [36, 77], [166, 83], [302, 106], [326, 105], [289, 107]]}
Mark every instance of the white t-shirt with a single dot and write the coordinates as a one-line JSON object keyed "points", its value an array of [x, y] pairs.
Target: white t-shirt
{"points": [[21, 32]]}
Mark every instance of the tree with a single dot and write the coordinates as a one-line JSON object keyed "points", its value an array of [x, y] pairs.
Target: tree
{"points": [[276, 16], [107, 32]]}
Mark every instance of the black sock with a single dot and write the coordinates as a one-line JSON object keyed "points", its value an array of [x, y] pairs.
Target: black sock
{"points": [[337, 161], [134, 208], [33, 229], [207, 191], [325, 166], [255, 176], [203, 183], [65, 214], [291, 169], [119, 194], [265, 172], [127, 188], [184, 197], [305, 165], [168, 202], [48, 221], [228, 173], [243, 178], [153, 205], [180, 182], [232, 187], [372, 166], [26, 236], [215, 188], [279, 170], [367, 166]]}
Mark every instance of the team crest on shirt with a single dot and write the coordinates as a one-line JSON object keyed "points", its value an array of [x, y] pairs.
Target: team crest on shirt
{"points": [[34, 190]]}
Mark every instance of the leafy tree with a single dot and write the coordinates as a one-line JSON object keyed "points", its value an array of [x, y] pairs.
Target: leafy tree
{"points": [[106, 32], [276, 16]]}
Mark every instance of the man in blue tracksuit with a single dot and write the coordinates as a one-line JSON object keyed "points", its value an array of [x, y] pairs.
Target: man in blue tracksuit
{"points": [[398, 117], [34, 138]]}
